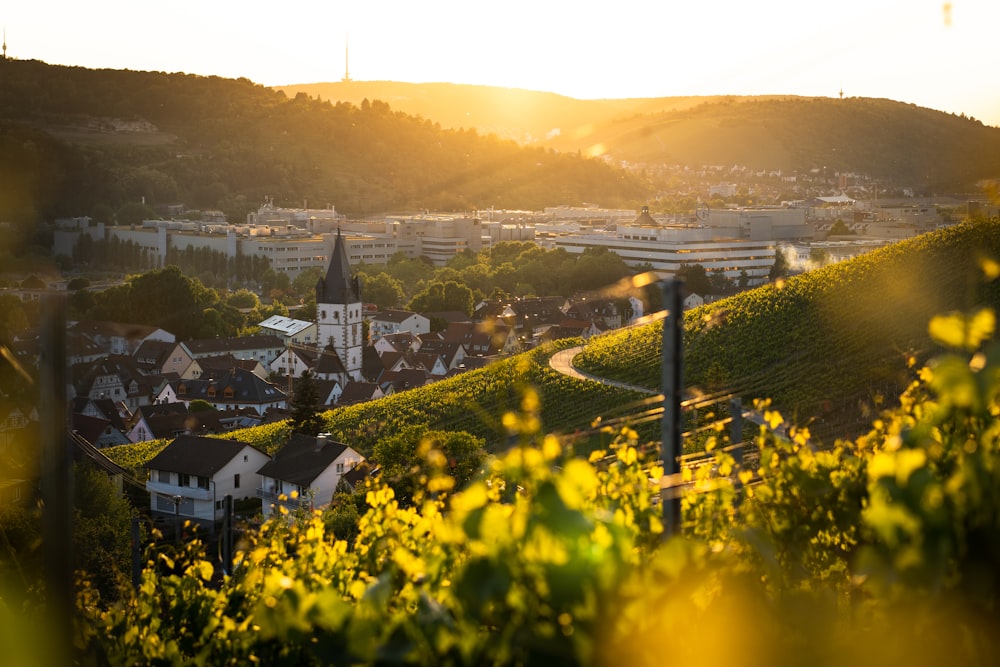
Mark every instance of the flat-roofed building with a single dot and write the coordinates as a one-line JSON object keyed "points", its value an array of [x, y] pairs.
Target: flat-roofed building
{"points": [[666, 249]]}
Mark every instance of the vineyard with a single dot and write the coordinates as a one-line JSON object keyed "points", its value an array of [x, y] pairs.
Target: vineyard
{"points": [[827, 346], [473, 402], [880, 550]]}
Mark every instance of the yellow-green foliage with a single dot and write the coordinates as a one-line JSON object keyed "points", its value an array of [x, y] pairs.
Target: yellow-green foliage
{"points": [[878, 550]]}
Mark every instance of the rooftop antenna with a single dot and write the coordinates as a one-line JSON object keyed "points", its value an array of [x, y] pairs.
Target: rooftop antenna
{"points": [[347, 60], [5, 43], [841, 92]]}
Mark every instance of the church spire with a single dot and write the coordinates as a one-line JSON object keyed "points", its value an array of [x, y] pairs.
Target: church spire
{"points": [[338, 286]]}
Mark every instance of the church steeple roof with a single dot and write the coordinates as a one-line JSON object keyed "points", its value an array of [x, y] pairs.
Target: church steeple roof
{"points": [[338, 286]]}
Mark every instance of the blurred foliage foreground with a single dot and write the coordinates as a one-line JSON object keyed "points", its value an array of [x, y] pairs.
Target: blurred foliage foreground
{"points": [[881, 550]]}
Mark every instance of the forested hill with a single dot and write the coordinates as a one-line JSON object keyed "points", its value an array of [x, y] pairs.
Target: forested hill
{"points": [[892, 141], [72, 138]]}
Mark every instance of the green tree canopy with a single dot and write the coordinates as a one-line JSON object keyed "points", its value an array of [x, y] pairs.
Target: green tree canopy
{"points": [[438, 297], [307, 415]]}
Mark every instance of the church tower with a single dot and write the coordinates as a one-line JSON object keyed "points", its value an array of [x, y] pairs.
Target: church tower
{"points": [[338, 310]]}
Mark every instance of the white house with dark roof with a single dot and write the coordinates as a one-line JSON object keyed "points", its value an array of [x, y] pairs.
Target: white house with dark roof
{"points": [[290, 330], [305, 473], [193, 474], [391, 321], [263, 348]]}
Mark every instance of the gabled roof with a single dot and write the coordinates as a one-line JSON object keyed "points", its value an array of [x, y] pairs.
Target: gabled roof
{"points": [[203, 346], [96, 328], [358, 392], [196, 455], [152, 353], [444, 349], [224, 362], [395, 316], [407, 378], [197, 423], [338, 286], [401, 341], [90, 428], [303, 459], [245, 388], [329, 363]]}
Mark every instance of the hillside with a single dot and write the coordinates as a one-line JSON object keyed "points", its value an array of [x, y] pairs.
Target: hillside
{"points": [[891, 141], [72, 139], [827, 346]]}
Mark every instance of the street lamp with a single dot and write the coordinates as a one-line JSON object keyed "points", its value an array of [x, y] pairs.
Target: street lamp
{"points": [[177, 519]]}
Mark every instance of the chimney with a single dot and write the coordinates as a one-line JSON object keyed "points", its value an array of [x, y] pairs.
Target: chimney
{"points": [[321, 440]]}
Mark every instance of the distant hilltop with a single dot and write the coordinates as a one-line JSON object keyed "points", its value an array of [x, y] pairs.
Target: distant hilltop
{"points": [[880, 138]]}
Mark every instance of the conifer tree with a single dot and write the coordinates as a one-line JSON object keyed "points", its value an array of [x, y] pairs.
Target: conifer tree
{"points": [[306, 417]]}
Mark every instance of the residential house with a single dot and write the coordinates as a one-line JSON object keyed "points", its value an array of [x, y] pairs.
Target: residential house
{"points": [[305, 473], [484, 339], [178, 361], [693, 300], [115, 377], [452, 354], [294, 361], [394, 382], [116, 413], [391, 321], [192, 476], [403, 341], [571, 328], [533, 316], [171, 420], [153, 355], [236, 388], [603, 312], [360, 392], [289, 330], [118, 338], [98, 431], [209, 366], [264, 347]]}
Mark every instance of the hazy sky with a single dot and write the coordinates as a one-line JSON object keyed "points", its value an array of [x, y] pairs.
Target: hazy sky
{"points": [[932, 53]]}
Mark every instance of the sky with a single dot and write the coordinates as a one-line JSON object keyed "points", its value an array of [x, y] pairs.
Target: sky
{"points": [[931, 53]]}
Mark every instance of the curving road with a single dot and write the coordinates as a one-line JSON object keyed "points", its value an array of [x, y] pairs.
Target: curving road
{"points": [[562, 362]]}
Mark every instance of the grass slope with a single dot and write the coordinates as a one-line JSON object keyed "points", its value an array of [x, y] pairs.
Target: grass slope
{"points": [[823, 345]]}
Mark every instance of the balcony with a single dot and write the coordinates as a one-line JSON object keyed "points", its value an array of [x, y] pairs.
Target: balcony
{"points": [[281, 498], [162, 488]]}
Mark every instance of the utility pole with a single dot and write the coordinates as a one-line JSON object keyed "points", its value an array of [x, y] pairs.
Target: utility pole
{"points": [[672, 380]]}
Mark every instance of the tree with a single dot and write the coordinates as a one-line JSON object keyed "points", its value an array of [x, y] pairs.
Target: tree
{"points": [[417, 454], [383, 290], [134, 213], [306, 417], [840, 229], [780, 267], [438, 297], [695, 279]]}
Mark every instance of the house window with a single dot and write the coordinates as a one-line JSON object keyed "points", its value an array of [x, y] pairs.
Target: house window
{"points": [[183, 479], [181, 390], [236, 479], [163, 476], [211, 392], [340, 468], [202, 482], [228, 393]]}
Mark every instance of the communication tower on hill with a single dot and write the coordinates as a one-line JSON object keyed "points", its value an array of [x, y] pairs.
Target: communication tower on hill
{"points": [[347, 60]]}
